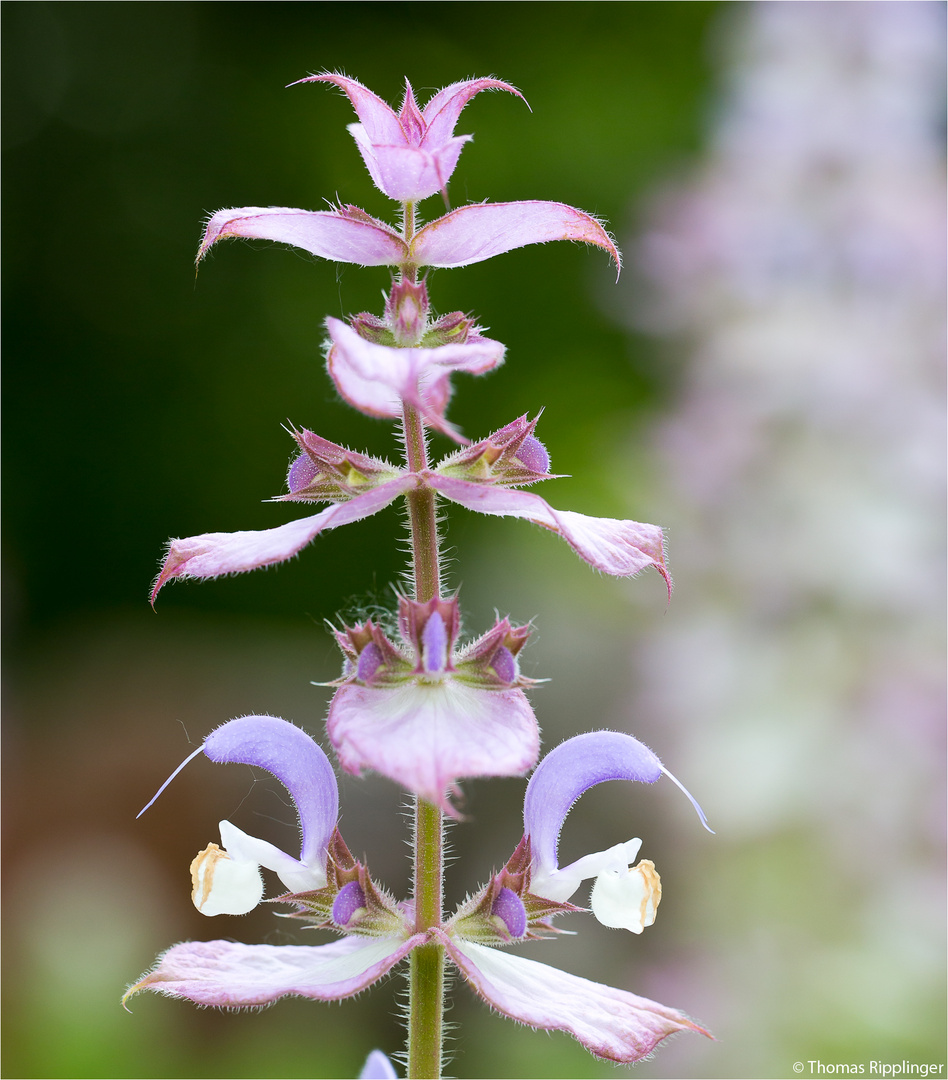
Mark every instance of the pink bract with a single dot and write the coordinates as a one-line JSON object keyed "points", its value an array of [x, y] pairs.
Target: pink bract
{"points": [[618, 547], [379, 380], [429, 737], [462, 237], [410, 154], [211, 555], [610, 1023], [614, 546], [229, 974]]}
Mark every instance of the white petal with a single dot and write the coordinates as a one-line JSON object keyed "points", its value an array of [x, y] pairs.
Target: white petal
{"points": [[627, 899], [222, 885], [561, 884], [296, 876]]}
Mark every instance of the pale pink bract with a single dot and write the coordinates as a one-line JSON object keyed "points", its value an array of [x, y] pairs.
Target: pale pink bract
{"points": [[410, 154]]}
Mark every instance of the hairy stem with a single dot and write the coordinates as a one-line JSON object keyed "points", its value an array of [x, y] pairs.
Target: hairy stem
{"points": [[422, 518], [410, 271], [426, 994], [426, 977]]}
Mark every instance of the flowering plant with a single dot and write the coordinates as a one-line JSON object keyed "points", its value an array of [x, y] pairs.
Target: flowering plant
{"points": [[418, 704]]}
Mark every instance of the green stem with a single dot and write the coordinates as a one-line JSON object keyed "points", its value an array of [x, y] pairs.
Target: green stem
{"points": [[426, 978], [422, 516], [408, 221], [426, 985], [408, 270]]}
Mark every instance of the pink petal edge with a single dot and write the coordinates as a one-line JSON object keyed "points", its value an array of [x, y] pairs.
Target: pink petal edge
{"points": [[473, 233], [618, 547], [211, 555], [376, 379], [442, 112], [338, 235], [230, 974], [429, 737], [376, 116], [610, 1023]]}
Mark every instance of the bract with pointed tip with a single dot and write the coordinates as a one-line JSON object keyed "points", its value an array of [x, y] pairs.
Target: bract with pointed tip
{"points": [[462, 237], [212, 555], [616, 547], [410, 154], [610, 1023]]}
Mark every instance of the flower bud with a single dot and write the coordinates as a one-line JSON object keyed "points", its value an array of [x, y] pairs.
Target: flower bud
{"points": [[370, 657], [434, 645], [511, 456], [505, 665], [303, 472], [406, 312], [451, 329], [508, 909], [349, 904], [325, 471], [370, 660], [504, 910], [371, 328], [491, 661], [432, 628], [534, 455]]}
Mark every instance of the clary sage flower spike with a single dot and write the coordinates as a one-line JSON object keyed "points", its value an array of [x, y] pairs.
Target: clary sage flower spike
{"points": [[418, 702]]}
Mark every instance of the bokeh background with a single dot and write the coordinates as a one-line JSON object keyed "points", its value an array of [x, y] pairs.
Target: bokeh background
{"points": [[766, 382]]}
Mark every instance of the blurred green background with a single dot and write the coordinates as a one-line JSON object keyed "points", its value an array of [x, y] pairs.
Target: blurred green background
{"points": [[163, 397], [142, 403]]}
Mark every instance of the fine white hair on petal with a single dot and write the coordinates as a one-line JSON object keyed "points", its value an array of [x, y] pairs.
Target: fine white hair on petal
{"points": [[610, 1023], [480, 231], [621, 548], [229, 974]]}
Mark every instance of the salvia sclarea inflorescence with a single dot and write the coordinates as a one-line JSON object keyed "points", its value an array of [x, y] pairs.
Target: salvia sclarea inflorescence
{"points": [[416, 702]]}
